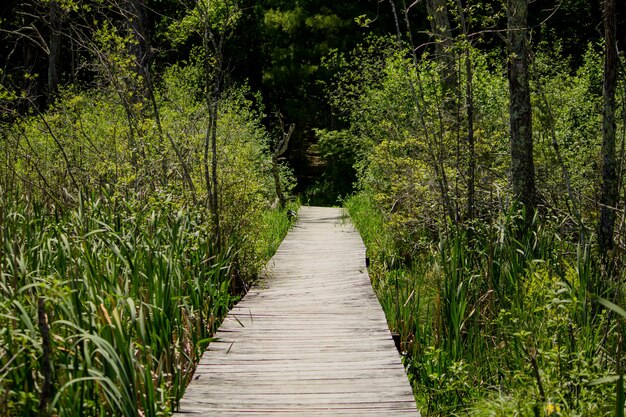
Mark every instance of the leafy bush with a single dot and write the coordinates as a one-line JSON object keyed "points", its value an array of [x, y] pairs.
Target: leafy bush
{"points": [[338, 150], [505, 327], [111, 283], [495, 313]]}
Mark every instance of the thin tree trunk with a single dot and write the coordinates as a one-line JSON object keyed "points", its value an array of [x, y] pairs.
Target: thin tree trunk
{"points": [[214, 162], [520, 112], [137, 18], [435, 154], [471, 154], [469, 104], [609, 196], [210, 164], [279, 151], [214, 76], [440, 26], [54, 55], [450, 97]]}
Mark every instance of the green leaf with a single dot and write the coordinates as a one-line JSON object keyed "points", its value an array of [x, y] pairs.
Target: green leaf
{"points": [[611, 306], [604, 380]]}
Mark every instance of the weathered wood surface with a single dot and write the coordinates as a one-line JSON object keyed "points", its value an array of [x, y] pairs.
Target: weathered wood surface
{"points": [[309, 340]]}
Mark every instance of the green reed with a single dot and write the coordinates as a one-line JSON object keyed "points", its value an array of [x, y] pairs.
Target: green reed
{"points": [[106, 308], [497, 318]]}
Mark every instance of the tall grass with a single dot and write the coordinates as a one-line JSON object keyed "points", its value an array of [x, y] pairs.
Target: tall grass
{"points": [[276, 225], [497, 319], [106, 308]]}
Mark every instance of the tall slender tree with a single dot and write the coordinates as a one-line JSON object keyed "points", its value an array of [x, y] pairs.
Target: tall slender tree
{"points": [[218, 20], [442, 32], [137, 21], [609, 196], [54, 49], [469, 108], [435, 144], [520, 112]]}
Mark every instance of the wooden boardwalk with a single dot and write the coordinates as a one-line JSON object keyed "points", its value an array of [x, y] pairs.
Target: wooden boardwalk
{"points": [[310, 340]]}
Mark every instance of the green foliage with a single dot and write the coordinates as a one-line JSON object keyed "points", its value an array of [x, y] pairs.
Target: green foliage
{"points": [[86, 138], [218, 16], [7, 95], [131, 294], [286, 21], [495, 314], [575, 102], [292, 40], [338, 150], [410, 152], [131, 283], [355, 73], [245, 181], [370, 222], [276, 224], [477, 322]]}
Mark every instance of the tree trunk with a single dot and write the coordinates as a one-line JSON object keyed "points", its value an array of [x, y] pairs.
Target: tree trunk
{"points": [[440, 26], [434, 147], [213, 80], [282, 201], [279, 151], [210, 165], [214, 162], [471, 153], [520, 113], [609, 196], [138, 26], [54, 55], [469, 105]]}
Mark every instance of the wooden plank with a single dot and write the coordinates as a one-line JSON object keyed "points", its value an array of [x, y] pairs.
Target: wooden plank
{"points": [[309, 340]]}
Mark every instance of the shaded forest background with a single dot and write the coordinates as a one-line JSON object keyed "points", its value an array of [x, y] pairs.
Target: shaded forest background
{"points": [[277, 50]]}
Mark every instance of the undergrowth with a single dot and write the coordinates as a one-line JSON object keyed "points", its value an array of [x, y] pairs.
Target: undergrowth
{"points": [[496, 319], [106, 308]]}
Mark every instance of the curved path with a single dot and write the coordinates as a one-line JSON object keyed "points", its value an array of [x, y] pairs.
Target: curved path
{"points": [[309, 340]]}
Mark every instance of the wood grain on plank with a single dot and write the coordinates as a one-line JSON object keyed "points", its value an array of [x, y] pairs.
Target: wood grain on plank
{"points": [[309, 340]]}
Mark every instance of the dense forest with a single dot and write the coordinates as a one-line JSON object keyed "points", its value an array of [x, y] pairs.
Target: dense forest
{"points": [[151, 149]]}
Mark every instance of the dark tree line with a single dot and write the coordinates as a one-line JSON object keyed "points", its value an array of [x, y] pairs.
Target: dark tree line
{"points": [[278, 46]]}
